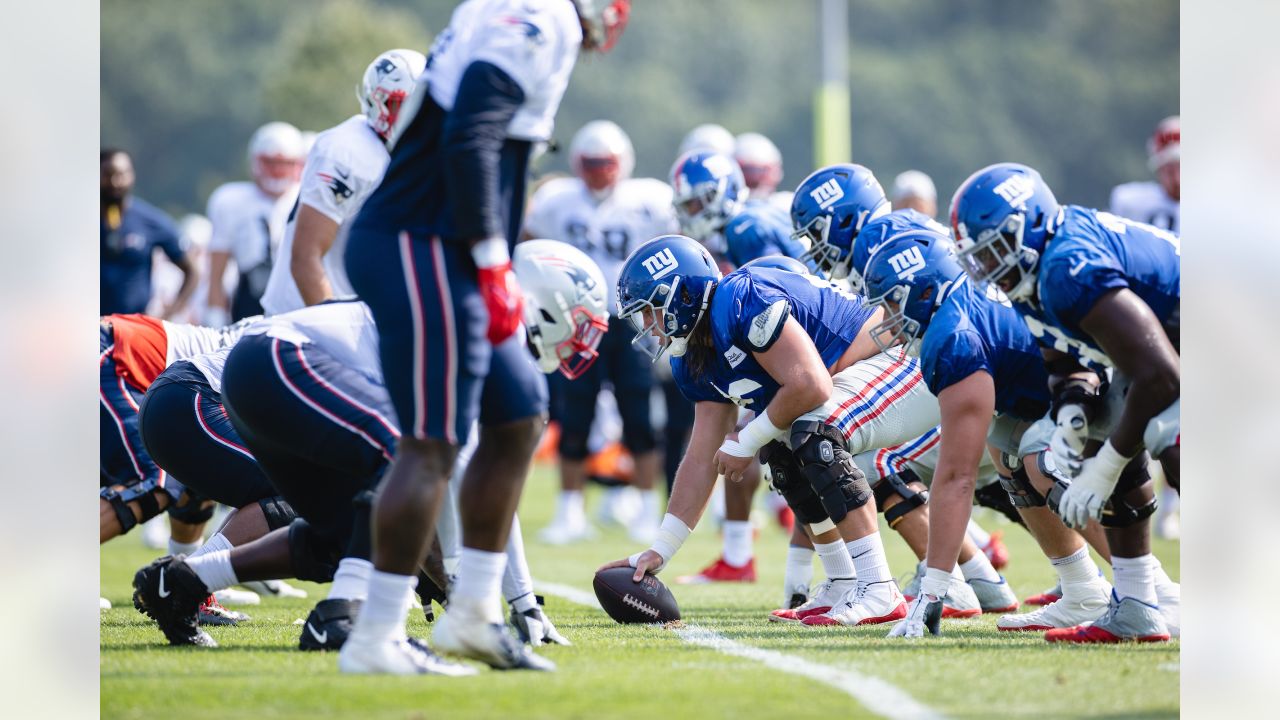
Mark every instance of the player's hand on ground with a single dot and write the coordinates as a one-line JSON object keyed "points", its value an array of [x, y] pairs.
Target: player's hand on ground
{"points": [[924, 613], [732, 467], [648, 561], [534, 627]]}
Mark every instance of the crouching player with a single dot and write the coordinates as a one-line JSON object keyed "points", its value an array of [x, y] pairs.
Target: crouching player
{"points": [[798, 351]]}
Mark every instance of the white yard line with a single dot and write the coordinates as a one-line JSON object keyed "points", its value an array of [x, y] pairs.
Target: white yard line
{"points": [[876, 695]]}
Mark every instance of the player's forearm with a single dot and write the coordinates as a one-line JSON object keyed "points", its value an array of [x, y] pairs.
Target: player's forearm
{"points": [[474, 132], [950, 503], [799, 396], [1147, 397], [308, 273], [190, 280], [217, 268], [691, 490]]}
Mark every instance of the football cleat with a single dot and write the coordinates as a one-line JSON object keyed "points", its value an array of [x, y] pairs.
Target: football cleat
{"points": [[960, 602], [169, 592], [868, 605], [401, 656], [721, 571], [1127, 620], [466, 634], [1169, 595], [534, 627], [329, 624], [828, 594], [233, 596], [212, 613], [275, 588], [996, 551], [1066, 612], [104, 604], [994, 597], [1048, 597]]}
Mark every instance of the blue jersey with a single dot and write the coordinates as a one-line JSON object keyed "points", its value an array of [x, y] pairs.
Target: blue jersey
{"points": [[877, 231], [759, 230], [1091, 253], [124, 274], [975, 331], [747, 314]]}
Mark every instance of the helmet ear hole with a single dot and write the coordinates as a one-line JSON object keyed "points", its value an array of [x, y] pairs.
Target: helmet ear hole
{"points": [[846, 222], [547, 317], [928, 293]]}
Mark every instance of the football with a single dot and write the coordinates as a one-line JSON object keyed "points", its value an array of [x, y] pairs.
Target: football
{"points": [[627, 601]]}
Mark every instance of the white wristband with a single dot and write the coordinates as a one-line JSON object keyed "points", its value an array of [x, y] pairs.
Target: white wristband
{"points": [[671, 535], [490, 252], [757, 433], [935, 582], [1110, 459]]}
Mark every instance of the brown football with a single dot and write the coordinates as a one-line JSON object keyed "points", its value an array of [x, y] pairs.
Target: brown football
{"points": [[627, 601]]}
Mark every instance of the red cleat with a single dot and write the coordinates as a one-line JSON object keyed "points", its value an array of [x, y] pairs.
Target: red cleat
{"points": [[996, 551], [1095, 634], [827, 595], [721, 571], [786, 519], [1048, 597]]}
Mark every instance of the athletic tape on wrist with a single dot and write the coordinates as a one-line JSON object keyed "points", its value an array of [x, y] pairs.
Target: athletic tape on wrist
{"points": [[935, 582], [755, 435], [671, 536]]}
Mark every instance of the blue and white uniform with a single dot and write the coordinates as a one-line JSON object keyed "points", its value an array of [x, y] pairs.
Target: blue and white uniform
{"points": [[878, 230], [460, 151], [760, 229]]}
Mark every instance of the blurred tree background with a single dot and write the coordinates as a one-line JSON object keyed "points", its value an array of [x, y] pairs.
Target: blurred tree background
{"points": [[1071, 87]]}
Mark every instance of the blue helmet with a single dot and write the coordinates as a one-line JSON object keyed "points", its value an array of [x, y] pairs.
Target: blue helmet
{"points": [[779, 262], [664, 288], [828, 211], [871, 238], [1001, 218], [708, 189], [909, 275]]}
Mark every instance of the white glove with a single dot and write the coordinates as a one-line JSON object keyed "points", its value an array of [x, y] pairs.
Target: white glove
{"points": [[535, 628], [1088, 492], [1067, 444], [926, 610]]}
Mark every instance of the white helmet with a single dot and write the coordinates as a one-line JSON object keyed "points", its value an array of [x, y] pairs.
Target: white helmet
{"points": [[388, 82], [565, 310], [761, 162], [276, 155], [710, 137], [601, 155]]}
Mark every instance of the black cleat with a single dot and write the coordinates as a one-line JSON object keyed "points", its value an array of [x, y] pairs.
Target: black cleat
{"points": [[797, 599], [329, 624], [169, 592]]}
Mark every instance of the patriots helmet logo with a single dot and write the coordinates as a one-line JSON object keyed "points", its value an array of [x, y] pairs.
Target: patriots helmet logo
{"points": [[384, 68]]}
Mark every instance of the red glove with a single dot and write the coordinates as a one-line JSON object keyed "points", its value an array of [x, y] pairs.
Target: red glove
{"points": [[498, 286]]}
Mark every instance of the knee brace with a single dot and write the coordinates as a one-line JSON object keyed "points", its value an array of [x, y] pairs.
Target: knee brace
{"points": [[829, 468], [898, 484], [143, 493], [786, 477], [277, 512], [195, 511], [1132, 501], [310, 558], [997, 497], [360, 546], [1021, 493]]}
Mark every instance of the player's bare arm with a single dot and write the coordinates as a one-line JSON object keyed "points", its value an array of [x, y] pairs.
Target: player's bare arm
{"points": [[190, 280], [967, 408], [313, 236]]}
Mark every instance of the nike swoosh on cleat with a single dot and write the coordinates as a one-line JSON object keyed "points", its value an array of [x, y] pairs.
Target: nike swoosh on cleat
{"points": [[320, 637], [163, 593]]}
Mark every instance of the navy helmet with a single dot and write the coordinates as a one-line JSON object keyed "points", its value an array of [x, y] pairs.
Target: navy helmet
{"points": [[909, 276], [1001, 218], [708, 189], [664, 288], [829, 209], [779, 262]]}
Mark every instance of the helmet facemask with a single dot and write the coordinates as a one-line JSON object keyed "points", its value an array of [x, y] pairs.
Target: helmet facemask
{"points": [[998, 256], [652, 319], [896, 329], [828, 259], [568, 343]]}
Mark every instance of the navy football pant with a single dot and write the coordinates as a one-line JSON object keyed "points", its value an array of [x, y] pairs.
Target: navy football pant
{"points": [[123, 459], [630, 372]]}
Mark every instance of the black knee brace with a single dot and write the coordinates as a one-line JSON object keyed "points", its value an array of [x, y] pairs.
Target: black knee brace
{"points": [[996, 497], [829, 468], [1020, 491], [360, 546], [277, 512], [310, 558], [195, 511], [1133, 500], [143, 493], [898, 484], [789, 481]]}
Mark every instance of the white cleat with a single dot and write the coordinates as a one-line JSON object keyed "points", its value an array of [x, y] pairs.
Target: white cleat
{"points": [[561, 533], [994, 597], [827, 595], [620, 506], [1081, 605], [872, 604], [1169, 595], [275, 588], [232, 596], [467, 634], [104, 603], [403, 656]]}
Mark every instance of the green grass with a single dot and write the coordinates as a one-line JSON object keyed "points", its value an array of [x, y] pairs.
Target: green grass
{"points": [[636, 671]]}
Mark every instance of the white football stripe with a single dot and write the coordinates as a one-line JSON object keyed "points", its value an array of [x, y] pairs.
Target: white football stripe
{"points": [[876, 695]]}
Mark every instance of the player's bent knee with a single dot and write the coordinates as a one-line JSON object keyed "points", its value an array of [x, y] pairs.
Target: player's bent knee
{"points": [[785, 477], [135, 504], [196, 510], [996, 497], [896, 498], [310, 555], [1018, 489], [829, 468]]}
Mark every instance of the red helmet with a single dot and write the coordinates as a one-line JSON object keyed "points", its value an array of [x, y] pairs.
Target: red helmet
{"points": [[1165, 144]]}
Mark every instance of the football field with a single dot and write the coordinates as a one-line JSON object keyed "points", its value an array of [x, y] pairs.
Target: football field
{"points": [[726, 660]]}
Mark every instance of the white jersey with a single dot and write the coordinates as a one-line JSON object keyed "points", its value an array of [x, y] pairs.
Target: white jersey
{"points": [[1146, 202], [534, 41], [345, 330], [344, 166], [197, 343], [247, 223], [781, 199], [606, 230]]}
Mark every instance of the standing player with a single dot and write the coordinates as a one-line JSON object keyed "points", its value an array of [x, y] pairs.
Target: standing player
{"points": [[1156, 203], [606, 213], [914, 190], [761, 164], [343, 166], [249, 219], [430, 254], [1106, 290]]}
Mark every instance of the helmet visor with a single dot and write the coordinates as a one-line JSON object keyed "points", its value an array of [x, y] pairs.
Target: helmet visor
{"points": [[994, 254]]}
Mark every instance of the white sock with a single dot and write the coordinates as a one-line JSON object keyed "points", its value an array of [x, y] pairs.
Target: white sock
{"points": [[979, 568], [516, 581], [650, 512], [737, 542], [799, 575], [351, 580], [979, 536], [1165, 585], [869, 561], [217, 542], [181, 548], [479, 582], [214, 570], [384, 610], [1075, 569], [836, 562], [1135, 578], [572, 511]]}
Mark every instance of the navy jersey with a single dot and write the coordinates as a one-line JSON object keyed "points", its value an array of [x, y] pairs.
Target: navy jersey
{"points": [[747, 314], [877, 231], [125, 256], [974, 331], [759, 230], [1091, 253]]}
